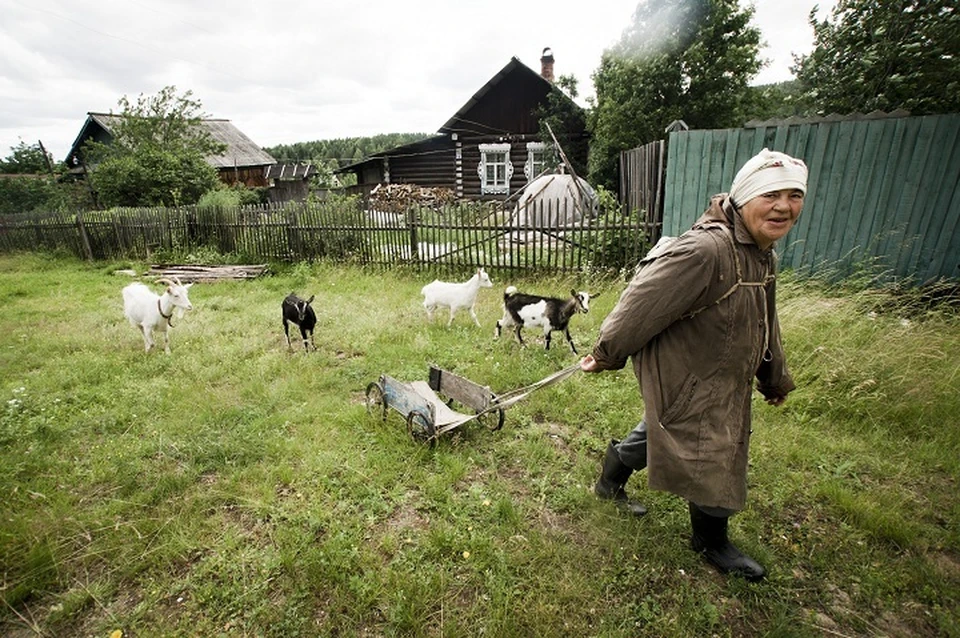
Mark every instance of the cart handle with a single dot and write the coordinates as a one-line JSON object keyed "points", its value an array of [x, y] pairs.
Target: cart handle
{"points": [[507, 399]]}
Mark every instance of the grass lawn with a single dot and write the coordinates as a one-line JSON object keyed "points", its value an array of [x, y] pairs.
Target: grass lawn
{"points": [[236, 488]]}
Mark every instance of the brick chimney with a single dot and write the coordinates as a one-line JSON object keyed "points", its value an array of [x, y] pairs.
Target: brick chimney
{"points": [[546, 64]]}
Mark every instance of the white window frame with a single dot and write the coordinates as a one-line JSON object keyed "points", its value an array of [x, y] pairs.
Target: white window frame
{"points": [[495, 169], [533, 166]]}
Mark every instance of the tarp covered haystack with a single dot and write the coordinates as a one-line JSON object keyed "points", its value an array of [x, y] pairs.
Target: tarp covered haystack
{"points": [[554, 201]]}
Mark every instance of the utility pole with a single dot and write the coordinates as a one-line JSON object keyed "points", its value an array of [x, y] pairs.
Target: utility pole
{"points": [[46, 156]]}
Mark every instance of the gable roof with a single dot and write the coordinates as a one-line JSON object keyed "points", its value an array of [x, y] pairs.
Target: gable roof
{"points": [[241, 150], [513, 67], [514, 73]]}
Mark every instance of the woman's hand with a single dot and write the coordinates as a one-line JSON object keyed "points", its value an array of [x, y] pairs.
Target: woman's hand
{"points": [[589, 364]]}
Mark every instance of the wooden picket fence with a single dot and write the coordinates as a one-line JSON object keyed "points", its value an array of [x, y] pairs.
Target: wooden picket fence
{"points": [[454, 237]]}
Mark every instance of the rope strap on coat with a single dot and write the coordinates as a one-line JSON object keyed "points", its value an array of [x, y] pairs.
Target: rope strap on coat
{"points": [[767, 279]]}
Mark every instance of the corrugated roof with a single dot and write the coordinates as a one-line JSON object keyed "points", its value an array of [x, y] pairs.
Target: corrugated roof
{"points": [[298, 170], [241, 150]]}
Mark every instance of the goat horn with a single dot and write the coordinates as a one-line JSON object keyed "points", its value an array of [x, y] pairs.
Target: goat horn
{"points": [[165, 281], [176, 280]]}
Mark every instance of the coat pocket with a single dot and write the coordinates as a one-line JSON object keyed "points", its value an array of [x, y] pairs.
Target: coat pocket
{"points": [[681, 403]]}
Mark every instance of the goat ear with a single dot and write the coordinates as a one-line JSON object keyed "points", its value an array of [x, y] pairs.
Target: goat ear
{"points": [[573, 291], [310, 300], [594, 295]]}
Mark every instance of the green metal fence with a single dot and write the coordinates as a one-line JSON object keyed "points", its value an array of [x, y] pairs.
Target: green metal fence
{"points": [[883, 194]]}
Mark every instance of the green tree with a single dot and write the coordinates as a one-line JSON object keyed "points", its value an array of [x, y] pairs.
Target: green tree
{"points": [[157, 156], [33, 183], [567, 121], [330, 155], [884, 56], [26, 159], [27, 193], [341, 151], [780, 101], [687, 60]]}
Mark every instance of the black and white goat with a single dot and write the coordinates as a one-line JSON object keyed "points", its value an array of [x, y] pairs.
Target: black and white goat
{"points": [[300, 313], [521, 310], [151, 312]]}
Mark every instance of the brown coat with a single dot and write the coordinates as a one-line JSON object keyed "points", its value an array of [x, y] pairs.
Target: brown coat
{"points": [[695, 358]]}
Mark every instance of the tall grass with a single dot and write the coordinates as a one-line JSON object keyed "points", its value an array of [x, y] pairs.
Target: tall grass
{"points": [[238, 488]]}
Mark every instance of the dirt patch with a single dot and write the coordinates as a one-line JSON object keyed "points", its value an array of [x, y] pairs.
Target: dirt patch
{"points": [[897, 626], [406, 517], [516, 477], [358, 398], [556, 433], [947, 564], [250, 526]]}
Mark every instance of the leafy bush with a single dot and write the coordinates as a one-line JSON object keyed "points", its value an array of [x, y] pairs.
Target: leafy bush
{"points": [[153, 177], [26, 194], [620, 242], [230, 197]]}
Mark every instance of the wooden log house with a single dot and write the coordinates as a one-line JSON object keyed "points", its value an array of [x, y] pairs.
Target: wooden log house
{"points": [[488, 150]]}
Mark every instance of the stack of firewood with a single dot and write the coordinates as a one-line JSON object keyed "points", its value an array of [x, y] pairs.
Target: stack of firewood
{"points": [[396, 198]]}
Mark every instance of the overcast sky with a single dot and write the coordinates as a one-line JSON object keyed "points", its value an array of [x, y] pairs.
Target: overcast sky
{"points": [[286, 72]]}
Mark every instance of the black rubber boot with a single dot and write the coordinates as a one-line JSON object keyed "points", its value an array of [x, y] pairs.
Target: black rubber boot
{"points": [[613, 477], [710, 539]]}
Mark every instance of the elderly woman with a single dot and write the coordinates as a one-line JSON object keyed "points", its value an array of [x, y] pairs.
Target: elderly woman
{"points": [[700, 321]]}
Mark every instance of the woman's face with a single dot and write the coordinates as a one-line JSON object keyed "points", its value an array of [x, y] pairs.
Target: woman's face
{"points": [[771, 215]]}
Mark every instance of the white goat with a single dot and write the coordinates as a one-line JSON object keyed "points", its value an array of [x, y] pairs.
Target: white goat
{"points": [[151, 312], [455, 295]]}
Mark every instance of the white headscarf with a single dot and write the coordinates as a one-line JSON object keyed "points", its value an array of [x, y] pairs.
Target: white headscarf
{"points": [[768, 171]]}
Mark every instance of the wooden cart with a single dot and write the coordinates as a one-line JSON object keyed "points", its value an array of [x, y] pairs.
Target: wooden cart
{"points": [[427, 407]]}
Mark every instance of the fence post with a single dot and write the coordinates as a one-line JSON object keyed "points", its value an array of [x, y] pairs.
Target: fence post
{"points": [[294, 239], [84, 240], [168, 239], [414, 221]]}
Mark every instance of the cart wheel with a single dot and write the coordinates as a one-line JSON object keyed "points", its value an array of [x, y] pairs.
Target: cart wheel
{"points": [[376, 404], [493, 420], [420, 428]]}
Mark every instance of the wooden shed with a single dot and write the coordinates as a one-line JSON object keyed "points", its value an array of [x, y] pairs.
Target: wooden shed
{"points": [[488, 150], [290, 181]]}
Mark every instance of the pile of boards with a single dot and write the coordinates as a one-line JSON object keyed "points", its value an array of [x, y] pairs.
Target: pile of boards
{"points": [[188, 273]]}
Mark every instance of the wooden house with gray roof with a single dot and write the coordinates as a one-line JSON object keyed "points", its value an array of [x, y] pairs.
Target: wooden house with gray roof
{"points": [[489, 149], [242, 162]]}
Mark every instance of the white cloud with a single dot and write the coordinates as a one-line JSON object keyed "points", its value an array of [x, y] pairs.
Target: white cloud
{"points": [[291, 73]]}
